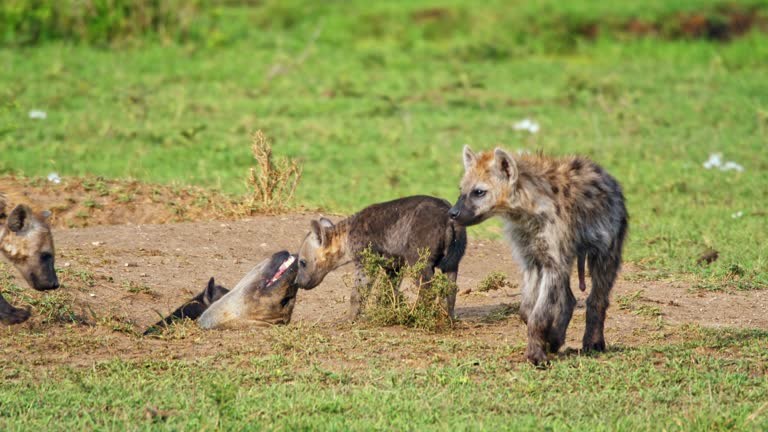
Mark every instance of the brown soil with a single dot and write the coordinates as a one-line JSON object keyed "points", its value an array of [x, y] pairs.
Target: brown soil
{"points": [[121, 278]]}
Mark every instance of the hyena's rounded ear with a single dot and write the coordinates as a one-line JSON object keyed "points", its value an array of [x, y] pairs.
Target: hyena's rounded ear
{"points": [[326, 223], [18, 220], [469, 157], [506, 164], [317, 231]]}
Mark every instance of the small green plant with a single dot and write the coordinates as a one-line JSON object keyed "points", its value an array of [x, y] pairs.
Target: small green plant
{"points": [[382, 303], [56, 308], [494, 281], [137, 288]]}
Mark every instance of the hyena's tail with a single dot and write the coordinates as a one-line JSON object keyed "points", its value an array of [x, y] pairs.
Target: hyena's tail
{"points": [[456, 241]]}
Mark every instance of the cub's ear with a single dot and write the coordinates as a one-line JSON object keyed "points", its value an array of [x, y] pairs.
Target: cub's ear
{"points": [[469, 158], [18, 220], [213, 292], [326, 223], [506, 165]]}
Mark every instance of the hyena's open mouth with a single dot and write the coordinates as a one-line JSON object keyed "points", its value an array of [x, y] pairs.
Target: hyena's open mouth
{"points": [[282, 270]]}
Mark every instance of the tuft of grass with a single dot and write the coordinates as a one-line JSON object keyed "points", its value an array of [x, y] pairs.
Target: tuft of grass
{"points": [[494, 281], [274, 180], [382, 302]]}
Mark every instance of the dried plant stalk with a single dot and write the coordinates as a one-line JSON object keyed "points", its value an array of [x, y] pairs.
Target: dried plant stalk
{"points": [[273, 181]]}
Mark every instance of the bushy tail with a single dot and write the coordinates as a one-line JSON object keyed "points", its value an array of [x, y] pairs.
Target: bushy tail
{"points": [[456, 245]]}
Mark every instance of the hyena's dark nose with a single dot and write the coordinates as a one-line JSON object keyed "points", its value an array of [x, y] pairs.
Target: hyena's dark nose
{"points": [[55, 284], [454, 212]]}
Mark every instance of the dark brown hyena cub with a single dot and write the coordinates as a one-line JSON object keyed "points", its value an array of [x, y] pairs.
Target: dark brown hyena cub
{"points": [[396, 229]]}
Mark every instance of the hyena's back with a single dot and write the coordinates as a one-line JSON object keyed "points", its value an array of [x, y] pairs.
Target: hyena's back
{"points": [[401, 227]]}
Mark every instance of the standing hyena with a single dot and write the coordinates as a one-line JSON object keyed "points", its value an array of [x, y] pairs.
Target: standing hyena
{"points": [[555, 210], [396, 229], [27, 242]]}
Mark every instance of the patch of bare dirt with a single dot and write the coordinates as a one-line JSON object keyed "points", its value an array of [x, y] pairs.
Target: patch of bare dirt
{"points": [[122, 278]]}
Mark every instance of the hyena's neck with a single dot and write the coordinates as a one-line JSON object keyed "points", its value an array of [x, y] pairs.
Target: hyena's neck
{"points": [[339, 249]]}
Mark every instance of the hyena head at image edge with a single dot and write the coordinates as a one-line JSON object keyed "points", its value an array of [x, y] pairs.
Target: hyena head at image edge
{"points": [[486, 187], [265, 296], [319, 254], [26, 241]]}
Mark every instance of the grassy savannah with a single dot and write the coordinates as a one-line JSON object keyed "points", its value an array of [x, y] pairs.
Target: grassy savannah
{"points": [[375, 101]]}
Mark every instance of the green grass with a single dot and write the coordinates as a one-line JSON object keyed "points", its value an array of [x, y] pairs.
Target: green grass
{"points": [[714, 381]]}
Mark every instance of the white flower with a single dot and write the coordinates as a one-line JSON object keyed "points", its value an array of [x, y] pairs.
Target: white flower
{"points": [[54, 178], [527, 125], [731, 166], [716, 161], [38, 115], [737, 215]]}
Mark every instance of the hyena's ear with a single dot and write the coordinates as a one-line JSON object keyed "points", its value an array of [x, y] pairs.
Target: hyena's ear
{"points": [[319, 232], [506, 165], [326, 223], [213, 292], [18, 220], [469, 158]]}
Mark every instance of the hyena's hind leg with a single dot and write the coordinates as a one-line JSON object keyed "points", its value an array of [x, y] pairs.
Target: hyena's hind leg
{"points": [[10, 315], [603, 269]]}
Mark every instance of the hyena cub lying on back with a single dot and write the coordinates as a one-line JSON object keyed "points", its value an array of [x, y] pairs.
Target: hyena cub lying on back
{"points": [[555, 210], [396, 229], [27, 242]]}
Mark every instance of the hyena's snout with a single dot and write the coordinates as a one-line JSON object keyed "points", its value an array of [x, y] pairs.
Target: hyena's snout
{"points": [[455, 211], [42, 276]]}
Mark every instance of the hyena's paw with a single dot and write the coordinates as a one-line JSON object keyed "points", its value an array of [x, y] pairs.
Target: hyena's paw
{"points": [[598, 346], [14, 316], [536, 355]]}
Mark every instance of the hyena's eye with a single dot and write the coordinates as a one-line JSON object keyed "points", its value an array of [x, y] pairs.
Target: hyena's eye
{"points": [[479, 193], [303, 263]]}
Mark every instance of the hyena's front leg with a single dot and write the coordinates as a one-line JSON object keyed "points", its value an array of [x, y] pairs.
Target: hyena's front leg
{"points": [[529, 292], [562, 310], [542, 317], [10, 315], [361, 282]]}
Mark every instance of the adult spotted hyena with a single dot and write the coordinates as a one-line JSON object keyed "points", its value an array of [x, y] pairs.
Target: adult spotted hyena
{"points": [[555, 210], [397, 229], [27, 242]]}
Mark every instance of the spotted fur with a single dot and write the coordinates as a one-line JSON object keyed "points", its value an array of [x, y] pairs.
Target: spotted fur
{"points": [[555, 211], [27, 242]]}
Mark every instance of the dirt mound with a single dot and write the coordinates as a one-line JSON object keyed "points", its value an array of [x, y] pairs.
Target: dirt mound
{"points": [[93, 201]]}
